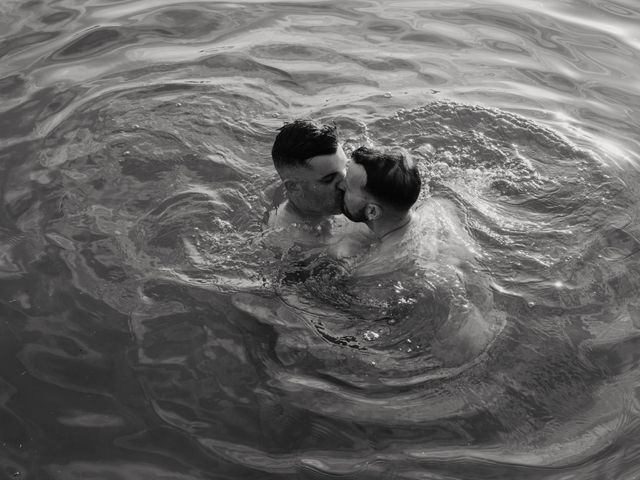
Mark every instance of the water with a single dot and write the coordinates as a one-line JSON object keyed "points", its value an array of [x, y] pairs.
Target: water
{"points": [[149, 332]]}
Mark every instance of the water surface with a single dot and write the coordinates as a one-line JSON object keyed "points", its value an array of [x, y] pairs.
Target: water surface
{"points": [[149, 332]]}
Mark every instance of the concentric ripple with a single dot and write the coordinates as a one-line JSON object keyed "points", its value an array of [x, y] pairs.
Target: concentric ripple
{"points": [[149, 327]]}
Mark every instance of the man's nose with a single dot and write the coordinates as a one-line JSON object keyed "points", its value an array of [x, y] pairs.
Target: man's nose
{"points": [[342, 185]]}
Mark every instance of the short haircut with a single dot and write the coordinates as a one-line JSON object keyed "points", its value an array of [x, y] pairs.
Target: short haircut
{"points": [[391, 177], [300, 140]]}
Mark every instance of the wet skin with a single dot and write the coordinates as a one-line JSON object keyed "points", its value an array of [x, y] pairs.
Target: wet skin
{"points": [[355, 198], [314, 189]]}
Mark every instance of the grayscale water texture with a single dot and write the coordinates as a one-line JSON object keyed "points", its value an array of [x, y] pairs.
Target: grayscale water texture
{"points": [[147, 332]]}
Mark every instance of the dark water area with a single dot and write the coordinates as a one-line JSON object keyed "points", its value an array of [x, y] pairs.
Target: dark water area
{"points": [[147, 329]]}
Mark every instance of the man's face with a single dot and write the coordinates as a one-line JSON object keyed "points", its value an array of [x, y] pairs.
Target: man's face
{"points": [[355, 196], [319, 181]]}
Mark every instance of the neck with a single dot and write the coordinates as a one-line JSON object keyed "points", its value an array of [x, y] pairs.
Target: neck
{"points": [[305, 215], [390, 226]]}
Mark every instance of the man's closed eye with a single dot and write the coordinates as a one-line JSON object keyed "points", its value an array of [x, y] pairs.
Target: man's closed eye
{"points": [[328, 178]]}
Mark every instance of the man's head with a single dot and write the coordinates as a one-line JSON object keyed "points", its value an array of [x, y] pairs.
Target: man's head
{"points": [[311, 164], [379, 183]]}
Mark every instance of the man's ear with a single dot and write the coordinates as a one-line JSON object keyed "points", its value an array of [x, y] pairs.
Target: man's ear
{"points": [[372, 211], [291, 186]]}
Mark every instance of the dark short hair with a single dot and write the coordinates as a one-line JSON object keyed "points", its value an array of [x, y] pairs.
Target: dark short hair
{"points": [[300, 140], [391, 178]]}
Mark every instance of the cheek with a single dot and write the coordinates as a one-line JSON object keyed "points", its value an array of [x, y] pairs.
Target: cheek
{"points": [[324, 190], [349, 200], [315, 190]]}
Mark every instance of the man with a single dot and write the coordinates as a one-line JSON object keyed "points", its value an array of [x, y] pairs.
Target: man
{"points": [[426, 254], [311, 165], [379, 189]]}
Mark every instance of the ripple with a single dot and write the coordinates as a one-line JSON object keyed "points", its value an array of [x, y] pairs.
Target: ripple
{"points": [[434, 40], [13, 45], [91, 420], [200, 20], [58, 17], [76, 470], [618, 8], [95, 41], [386, 27], [12, 86], [138, 294], [294, 51]]}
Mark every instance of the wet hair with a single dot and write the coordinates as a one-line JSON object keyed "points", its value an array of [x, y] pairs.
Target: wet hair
{"points": [[300, 140], [391, 177]]}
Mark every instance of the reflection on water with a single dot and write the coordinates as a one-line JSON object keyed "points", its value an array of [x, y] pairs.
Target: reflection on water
{"points": [[150, 330]]}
